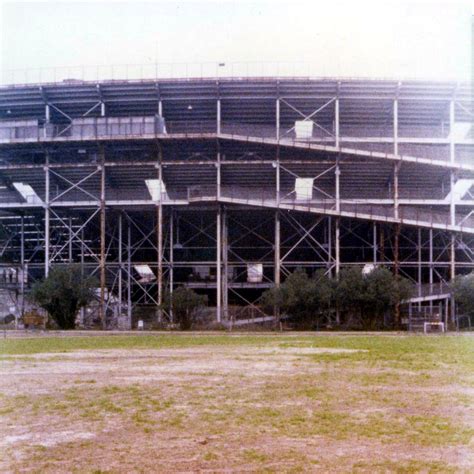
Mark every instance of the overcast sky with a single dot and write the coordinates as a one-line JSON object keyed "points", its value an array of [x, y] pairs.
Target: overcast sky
{"points": [[348, 38]]}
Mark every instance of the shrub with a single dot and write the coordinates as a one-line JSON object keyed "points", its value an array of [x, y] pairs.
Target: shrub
{"points": [[184, 303], [63, 292]]}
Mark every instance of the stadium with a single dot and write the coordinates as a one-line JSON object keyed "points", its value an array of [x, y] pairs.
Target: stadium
{"points": [[227, 184]]}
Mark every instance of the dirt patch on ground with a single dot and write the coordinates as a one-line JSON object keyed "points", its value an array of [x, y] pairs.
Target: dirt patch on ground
{"points": [[228, 408]]}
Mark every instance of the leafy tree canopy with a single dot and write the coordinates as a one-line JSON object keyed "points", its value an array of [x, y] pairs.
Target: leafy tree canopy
{"points": [[63, 292]]}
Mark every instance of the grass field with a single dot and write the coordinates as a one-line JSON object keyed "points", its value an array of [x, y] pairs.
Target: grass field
{"points": [[237, 403]]}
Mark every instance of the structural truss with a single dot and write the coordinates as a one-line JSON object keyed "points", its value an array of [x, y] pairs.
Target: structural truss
{"points": [[228, 185]]}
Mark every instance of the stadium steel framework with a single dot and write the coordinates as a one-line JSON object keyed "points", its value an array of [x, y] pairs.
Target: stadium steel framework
{"points": [[227, 185]]}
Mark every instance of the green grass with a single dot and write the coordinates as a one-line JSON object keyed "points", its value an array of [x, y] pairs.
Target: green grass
{"points": [[400, 392], [416, 352]]}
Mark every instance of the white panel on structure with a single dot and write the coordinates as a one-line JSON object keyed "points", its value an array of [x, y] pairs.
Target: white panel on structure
{"points": [[203, 272], [368, 268], [157, 189], [461, 188], [254, 272], [145, 272], [27, 193], [460, 130], [304, 188], [303, 129]]}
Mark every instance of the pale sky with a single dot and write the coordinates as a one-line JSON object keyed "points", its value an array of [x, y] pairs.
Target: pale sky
{"points": [[414, 39]]}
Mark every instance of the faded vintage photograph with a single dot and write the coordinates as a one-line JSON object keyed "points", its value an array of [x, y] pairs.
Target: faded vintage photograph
{"points": [[236, 236]]}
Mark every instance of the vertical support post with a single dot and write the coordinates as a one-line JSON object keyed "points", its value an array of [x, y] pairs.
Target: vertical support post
{"points": [[337, 251], [83, 310], [396, 270], [453, 274], [218, 116], [452, 143], [218, 264], [452, 202], [225, 273], [47, 119], [159, 220], [329, 242], [102, 238], [382, 244], [337, 246], [46, 217], [419, 278], [160, 108], [120, 261], [102, 109], [336, 123], [431, 266], [446, 313], [277, 262], [71, 234], [395, 127], [396, 168], [277, 178], [171, 261], [22, 263], [218, 166], [277, 252], [277, 118], [129, 274], [374, 243], [337, 237]]}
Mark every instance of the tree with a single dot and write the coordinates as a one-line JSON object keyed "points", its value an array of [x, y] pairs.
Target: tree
{"points": [[305, 299], [184, 302], [372, 295], [63, 292], [350, 291], [463, 287]]}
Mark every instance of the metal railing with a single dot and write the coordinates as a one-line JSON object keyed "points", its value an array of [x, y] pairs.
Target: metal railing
{"points": [[267, 197], [170, 70]]}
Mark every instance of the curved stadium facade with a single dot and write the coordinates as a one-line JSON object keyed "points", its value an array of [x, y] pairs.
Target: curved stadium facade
{"points": [[228, 185]]}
